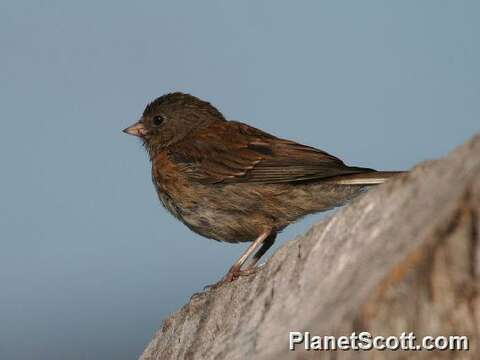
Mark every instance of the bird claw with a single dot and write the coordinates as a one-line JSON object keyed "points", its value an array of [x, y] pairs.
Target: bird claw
{"points": [[197, 295], [233, 274]]}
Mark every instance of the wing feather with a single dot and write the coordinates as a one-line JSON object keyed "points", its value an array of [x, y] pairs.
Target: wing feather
{"points": [[233, 152]]}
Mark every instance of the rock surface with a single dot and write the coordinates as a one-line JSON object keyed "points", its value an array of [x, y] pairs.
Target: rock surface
{"points": [[404, 257]]}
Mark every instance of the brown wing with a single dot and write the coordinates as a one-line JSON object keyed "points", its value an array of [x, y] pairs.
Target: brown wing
{"points": [[233, 152]]}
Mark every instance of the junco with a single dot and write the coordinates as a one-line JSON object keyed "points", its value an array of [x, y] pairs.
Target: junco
{"points": [[231, 182]]}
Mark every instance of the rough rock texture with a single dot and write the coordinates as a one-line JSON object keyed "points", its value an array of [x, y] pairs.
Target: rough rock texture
{"points": [[403, 257]]}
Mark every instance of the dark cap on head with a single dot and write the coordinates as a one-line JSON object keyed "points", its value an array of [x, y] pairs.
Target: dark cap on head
{"points": [[169, 118], [181, 101]]}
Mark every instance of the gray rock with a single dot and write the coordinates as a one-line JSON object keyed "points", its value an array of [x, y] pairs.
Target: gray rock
{"points": [[404, 257]]}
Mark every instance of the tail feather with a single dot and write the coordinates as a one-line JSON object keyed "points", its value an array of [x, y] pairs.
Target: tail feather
{"points": [[367, 178]]}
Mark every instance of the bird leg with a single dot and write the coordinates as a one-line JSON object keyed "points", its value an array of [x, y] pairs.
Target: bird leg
{"points": [[267, 244], [236, 271], [266, 240]]}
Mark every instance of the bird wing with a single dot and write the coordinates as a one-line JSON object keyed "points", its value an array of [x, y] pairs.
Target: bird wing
{"points": [[233, 152]]}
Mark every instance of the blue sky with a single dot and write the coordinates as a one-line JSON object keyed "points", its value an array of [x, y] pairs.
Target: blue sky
{"points": [[90, 262]]}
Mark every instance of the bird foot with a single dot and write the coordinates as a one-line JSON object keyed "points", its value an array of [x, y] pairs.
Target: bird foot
{"points": [[233, 274]]}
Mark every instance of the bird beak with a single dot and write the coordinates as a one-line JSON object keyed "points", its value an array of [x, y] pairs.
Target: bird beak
{"points": [[136, 129]]}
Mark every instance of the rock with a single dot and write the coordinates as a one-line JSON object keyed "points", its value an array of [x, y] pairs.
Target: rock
{"points": [[404, 257]]}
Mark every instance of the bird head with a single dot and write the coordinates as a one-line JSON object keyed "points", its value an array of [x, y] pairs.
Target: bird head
{"points": [[169, 118]]}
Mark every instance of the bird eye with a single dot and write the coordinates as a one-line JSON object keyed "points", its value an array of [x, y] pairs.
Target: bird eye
{"points": [[158, 119]]}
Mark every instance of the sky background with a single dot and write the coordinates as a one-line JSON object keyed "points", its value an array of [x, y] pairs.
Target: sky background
{"points": [[90, 263]]}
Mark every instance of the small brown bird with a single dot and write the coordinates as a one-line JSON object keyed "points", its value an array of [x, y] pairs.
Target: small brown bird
{"points": [[231, 182]]}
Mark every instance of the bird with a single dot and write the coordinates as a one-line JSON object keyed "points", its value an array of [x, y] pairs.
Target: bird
{"points": [[232, 182]]}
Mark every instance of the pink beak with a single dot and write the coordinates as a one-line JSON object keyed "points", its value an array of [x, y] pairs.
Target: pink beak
{"points": [[136, 129]]}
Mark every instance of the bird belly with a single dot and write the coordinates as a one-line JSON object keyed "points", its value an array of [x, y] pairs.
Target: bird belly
{"points": [[224, 213], [241, 212]]}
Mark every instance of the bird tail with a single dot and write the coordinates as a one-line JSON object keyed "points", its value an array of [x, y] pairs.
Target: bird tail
{"points": [[366, 178]]}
